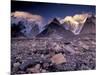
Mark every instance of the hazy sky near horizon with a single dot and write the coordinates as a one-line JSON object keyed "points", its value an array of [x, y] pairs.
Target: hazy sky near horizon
{"points": [[51, 10]]}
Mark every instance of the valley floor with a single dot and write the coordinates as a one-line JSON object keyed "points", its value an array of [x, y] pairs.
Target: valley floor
{"points": [[52, 55]]}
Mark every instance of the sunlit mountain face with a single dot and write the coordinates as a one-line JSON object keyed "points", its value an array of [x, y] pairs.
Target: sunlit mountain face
{"points": [[75, 22]]}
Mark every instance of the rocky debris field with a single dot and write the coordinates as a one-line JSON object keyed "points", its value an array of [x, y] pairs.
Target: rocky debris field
{"points": [[43, 55]]}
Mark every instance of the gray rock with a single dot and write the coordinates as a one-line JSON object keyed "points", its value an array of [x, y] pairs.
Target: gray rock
{"points": [[28, 63], [69, 49], [16, 64], [83, 45], [43, 71]]}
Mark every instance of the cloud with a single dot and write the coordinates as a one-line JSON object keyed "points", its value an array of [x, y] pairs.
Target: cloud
{"points": [[29, 17]]}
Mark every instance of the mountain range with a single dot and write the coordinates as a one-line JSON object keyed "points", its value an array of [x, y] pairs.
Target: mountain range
{"points": [[68, 27]]}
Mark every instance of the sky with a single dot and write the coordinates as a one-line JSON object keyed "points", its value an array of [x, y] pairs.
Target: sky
{"points": [[51, 10]]}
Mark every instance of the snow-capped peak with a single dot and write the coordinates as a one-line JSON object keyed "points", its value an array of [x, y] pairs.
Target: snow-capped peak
{"points": [[75, 23]]}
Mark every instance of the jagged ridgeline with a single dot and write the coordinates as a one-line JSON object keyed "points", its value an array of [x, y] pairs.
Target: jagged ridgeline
{"points": [[29, 26]]}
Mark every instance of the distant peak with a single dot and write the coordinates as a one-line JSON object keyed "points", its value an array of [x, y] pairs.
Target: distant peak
{"points": [[55, 20]]}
